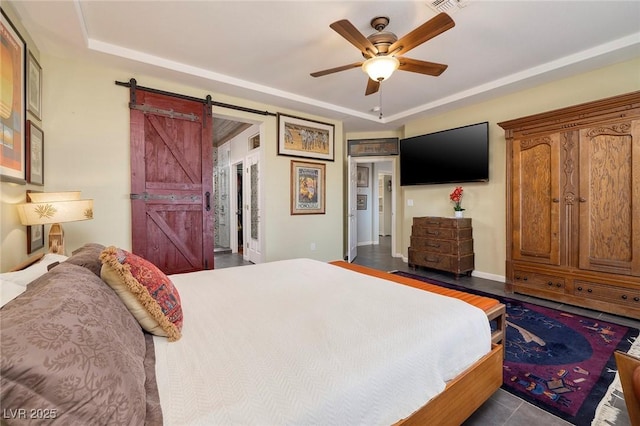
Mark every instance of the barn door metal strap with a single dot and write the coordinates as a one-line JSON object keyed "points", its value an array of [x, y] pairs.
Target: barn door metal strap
{"points": [[145, 196], [165, 112]]}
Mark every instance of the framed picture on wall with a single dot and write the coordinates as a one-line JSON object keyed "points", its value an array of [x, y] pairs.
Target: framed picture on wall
{"points": [[307, 188], [363, 177], [299, 137], [35, 154], [373, 147], [12, 110], [254, 141], [35, 238], [34, 87], [361, 201], [35, 233]]}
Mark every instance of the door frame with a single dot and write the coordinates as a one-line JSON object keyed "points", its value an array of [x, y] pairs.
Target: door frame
{"points": [[376, 214], [394, 197], [352, 213], [233, 222], [252, 255]]}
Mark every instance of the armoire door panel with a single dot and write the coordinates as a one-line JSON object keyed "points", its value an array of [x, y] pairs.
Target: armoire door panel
{"points": [[609, 176], [535, 195]]}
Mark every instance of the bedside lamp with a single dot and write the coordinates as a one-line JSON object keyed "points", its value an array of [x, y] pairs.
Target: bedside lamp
{"points": [[55, 208]]}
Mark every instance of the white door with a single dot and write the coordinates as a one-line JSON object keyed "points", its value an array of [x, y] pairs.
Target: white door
{"points": [[253, 223], [352, 222]]}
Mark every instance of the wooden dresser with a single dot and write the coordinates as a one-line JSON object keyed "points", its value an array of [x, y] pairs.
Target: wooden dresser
{"points": [[442, 243], [573, 205]]}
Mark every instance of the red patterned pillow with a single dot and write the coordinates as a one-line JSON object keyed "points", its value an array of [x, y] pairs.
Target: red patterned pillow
{"points": [[146, 291]]}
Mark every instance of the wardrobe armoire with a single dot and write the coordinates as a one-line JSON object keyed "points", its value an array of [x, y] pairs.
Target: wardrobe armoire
{"points": [[573, 205]]}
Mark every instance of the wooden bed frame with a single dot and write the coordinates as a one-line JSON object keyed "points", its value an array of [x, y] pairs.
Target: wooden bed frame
{"points": [[470, 389], [30, 261], [464, 394]]}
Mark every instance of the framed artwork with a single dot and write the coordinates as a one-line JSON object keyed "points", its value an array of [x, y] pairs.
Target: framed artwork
{"points": [[254, 141], [35, 154], [361, 201], [307, 188], [363, 177], [35, 233], [34, 87], [373, 147], [299, 137], [12, 103]]}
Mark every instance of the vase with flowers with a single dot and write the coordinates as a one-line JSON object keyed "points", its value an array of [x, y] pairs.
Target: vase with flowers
{"points": [[456, 197]]}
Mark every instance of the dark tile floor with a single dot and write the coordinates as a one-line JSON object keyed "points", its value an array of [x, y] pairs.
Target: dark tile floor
{"points": [[502, 408]]}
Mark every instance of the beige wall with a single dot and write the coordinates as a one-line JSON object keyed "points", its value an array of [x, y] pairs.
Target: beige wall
{"points": [[14, 236], [86, 127], [485, 202]]}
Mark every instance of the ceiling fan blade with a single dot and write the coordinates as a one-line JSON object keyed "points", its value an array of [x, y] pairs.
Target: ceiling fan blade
{"points": [[433, 27], [421, 67], [336, 69], [355, 37], [372, 87]]}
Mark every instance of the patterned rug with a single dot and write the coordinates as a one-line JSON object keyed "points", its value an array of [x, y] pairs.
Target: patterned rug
{"points": [[558, 361]]}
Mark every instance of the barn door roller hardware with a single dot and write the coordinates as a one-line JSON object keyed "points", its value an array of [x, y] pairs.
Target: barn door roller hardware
{"points": [[133, 86]]}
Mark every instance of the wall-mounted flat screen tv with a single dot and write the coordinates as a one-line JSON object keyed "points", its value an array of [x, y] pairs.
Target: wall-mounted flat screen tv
{"points": [[454, 155]]}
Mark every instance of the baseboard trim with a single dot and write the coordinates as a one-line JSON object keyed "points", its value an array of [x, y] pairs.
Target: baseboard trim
{"points": [[488, 276], [479, 274]]}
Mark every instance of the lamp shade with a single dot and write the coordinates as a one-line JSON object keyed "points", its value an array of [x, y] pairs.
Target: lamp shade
{"points": [[380, 67], [39, 213], [48, 197]]}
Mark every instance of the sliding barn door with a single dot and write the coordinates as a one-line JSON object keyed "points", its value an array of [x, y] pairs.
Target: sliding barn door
{"points": [[171, 181]]}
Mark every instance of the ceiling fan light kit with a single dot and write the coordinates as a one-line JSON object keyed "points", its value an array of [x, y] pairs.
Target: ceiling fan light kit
{"points": [[383, 50], [380, 68]]}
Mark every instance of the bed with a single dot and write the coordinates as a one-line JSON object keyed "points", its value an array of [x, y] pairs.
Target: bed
{"points": [[290, 342]]}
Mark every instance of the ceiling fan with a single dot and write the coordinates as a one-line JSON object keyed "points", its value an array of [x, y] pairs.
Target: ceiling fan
{"points": [[382, 50]]}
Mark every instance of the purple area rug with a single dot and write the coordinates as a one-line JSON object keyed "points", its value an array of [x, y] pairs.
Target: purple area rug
{"points": [[558, 361]]}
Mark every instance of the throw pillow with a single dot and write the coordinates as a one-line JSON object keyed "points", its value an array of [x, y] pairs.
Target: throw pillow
{"points": [[146, 291]]}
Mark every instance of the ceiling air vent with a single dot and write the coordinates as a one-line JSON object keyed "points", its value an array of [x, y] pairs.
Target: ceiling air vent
{"points": [[448, 6]]}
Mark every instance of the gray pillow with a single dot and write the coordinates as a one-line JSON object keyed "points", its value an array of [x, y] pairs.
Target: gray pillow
{"points": [[88, 256]]}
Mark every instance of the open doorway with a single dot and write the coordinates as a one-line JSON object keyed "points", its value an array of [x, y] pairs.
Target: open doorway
{"points": [[375, 200], [235, 144]]}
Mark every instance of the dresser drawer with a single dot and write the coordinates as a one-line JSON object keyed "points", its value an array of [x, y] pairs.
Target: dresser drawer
{"points": [[539, 281], [441, 222], [455, 247], [607, 293], [442, 233], [443, 262]]}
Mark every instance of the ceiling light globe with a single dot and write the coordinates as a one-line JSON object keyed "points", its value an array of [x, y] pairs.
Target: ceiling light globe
{"points": [[380, 68]]}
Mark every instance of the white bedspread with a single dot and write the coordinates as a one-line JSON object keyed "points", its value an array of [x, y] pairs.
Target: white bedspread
{"points": [[302, 342]]}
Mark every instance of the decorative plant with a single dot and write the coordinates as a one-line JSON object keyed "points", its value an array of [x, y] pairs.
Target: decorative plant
{"points": [[456, 197]]}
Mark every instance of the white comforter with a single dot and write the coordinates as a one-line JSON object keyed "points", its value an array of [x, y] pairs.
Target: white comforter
{"points": [[302, 342]]}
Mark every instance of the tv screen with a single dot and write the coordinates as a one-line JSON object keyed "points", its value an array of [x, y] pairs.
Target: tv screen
{"points": [[455, 155]]}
